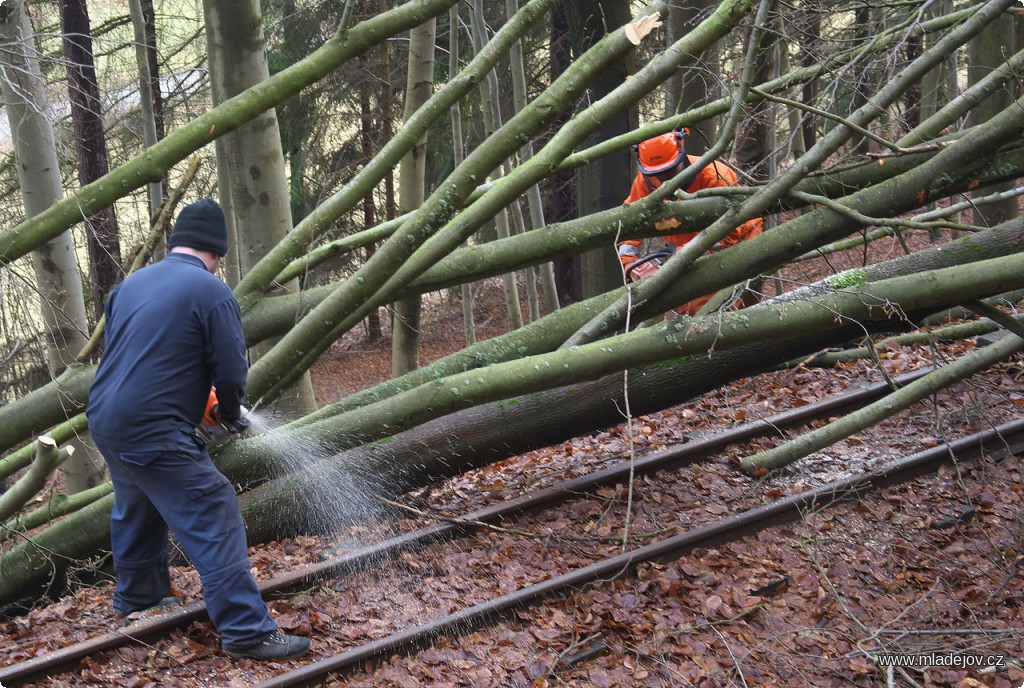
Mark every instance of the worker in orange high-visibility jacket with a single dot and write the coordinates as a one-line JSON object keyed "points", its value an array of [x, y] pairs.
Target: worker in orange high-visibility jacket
{"points": [[659, 159]]}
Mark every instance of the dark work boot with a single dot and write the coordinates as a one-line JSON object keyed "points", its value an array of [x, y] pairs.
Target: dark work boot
{"points": [[277, 645]]}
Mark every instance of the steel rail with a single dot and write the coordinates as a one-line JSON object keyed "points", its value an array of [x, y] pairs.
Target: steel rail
{"points": [[1005, 440], [147, 629]]}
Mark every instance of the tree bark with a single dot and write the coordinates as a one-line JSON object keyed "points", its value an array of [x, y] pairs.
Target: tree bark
{"points": [[251, 158], [754, 138], [101, 230], [405, 330], [369, 205], [491, 108], [534, 199], [387, 134], [988, 52], [810, 45], [562, 184], [878, 411], [47, 458], [151, 96], [458, 155], [605, 184], [483, 434]]}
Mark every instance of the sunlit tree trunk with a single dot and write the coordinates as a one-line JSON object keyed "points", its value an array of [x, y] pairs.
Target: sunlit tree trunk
{"points": [[405, 334], [250, 159], [58, 278]]}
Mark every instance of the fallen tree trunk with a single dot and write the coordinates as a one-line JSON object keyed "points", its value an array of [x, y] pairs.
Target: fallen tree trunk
{"points": [[673, 346], [874, 413], [885, 195], [54, 403], [47, 457], [41, 408], [445, 446], [481, 435], [549, 333]]}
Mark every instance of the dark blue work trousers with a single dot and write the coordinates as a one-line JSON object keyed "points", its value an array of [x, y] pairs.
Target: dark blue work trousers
{"points": [[183, 490]]}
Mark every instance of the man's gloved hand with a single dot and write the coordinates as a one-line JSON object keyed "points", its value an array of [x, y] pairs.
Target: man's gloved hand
{"points": [[238, 425], [212, 416]]}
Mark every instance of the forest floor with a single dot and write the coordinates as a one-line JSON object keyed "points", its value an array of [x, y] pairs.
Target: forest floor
{"points": [[933, 567]]}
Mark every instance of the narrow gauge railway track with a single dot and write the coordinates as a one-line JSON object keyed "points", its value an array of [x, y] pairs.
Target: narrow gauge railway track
{"points": [[1003, 441], [731, 527]]}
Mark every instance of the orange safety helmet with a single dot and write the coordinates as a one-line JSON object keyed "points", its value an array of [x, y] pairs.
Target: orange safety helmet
{"points": [[661, 153]]}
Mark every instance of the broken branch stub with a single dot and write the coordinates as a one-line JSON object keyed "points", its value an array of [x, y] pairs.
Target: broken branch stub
{"points": [[637, 30]]}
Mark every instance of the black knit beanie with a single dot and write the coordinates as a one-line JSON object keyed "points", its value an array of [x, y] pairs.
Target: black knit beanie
{"points": [[201, 226]]}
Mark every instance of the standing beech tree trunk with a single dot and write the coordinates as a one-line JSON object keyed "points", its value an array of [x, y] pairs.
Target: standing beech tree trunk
{"points": [[562, 202], [369, 205], [490, 105], [458, 155], [546, 272], [251, 159], [387, 114], [405, 334], [754, 139], [988, 51]]}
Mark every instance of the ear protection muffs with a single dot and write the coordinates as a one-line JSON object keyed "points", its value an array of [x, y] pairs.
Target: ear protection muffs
{"points": [[662, 153]]}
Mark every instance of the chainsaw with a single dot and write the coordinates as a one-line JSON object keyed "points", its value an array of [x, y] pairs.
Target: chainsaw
{"points": [[648, 265], [213, 428]]}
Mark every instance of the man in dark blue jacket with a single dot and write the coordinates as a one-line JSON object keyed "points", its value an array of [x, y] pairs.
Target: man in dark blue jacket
{"points": [[173, 330]]}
